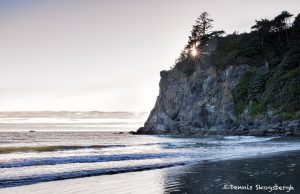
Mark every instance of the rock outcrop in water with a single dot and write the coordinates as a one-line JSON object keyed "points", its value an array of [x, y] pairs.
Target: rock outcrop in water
{"points": [[231, 90]]}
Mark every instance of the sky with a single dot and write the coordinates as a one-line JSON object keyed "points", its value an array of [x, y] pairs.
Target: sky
{"points": [[104, 55]]}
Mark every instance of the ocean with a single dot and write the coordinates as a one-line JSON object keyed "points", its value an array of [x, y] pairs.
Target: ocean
{"points": [[70, 121], [61, 153]]}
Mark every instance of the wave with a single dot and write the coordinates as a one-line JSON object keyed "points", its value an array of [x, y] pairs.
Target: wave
{"points": [[121, 154], [209, 142], [85, 159], [247, 139], [170, 145], [83, 173], [50, 148]]}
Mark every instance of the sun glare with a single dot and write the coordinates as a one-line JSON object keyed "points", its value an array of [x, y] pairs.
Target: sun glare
{"points": [[194, 52]]}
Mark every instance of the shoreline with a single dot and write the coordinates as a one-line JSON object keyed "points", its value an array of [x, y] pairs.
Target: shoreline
{"points": [[128, 183], [217, 132]]}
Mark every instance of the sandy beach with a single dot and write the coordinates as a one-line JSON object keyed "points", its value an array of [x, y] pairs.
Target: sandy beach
{"points": [[268, 171], [135, 182]]}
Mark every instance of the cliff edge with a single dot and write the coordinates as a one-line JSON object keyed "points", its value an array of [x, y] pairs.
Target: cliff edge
{"points": [[234, 87]]}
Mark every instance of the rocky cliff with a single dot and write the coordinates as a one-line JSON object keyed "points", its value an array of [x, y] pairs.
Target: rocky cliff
{"points": [[198, 98], [239, 84]]}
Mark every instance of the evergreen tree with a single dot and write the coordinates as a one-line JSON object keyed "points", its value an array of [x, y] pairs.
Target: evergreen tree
{"points": [[281, 23], [296, 27], [263, 26], [199, 34]]}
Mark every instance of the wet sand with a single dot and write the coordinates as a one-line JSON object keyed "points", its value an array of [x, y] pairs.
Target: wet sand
{"points": [[281, 169]]}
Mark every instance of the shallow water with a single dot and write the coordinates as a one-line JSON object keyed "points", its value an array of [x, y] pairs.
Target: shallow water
{"points": [[208, 177], [28, 158]]}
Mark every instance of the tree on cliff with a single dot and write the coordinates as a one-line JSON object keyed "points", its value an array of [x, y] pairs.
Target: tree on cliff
{"points": [[199, 33], [263, 27], [296, 27], [281, 23]]}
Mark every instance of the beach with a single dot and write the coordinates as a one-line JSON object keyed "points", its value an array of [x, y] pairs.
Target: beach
{"points": [[110, 162], [267, 171]]}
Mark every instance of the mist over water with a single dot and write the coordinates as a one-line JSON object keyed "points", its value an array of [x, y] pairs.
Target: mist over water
{"points": [[71, 121]]}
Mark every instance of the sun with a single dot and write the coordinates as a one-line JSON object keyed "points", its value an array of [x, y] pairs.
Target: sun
{"points": [[194, 52]]}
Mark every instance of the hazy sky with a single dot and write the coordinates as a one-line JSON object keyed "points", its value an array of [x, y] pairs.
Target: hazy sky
{"points": [[104, 55]]}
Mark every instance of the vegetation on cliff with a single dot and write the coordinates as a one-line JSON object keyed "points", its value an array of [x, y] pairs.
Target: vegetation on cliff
{"points": [[271, 49]]}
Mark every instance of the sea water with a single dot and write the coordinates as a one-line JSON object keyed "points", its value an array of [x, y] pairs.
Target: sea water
{"points": [[53, 153], [28, 158]]}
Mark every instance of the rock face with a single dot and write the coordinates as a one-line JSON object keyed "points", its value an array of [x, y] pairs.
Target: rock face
{"points": [[202, 103], [196, 103]]}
